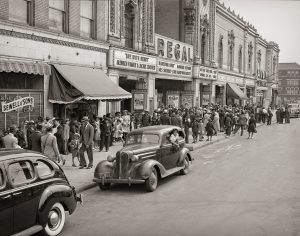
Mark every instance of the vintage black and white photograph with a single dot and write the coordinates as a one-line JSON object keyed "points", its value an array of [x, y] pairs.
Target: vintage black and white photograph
{"points": [[150, 117]]}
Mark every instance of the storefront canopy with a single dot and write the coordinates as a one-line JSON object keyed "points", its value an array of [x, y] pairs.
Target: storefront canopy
{"points": [[235, 92], [29, 67], [72, 83]]}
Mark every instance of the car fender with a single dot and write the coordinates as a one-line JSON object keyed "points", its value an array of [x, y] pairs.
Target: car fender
{"points": [[103, 167], [183, 153], [56, 193], [146, 167]]}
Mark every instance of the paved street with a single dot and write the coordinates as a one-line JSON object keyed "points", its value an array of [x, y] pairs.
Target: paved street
{"points": [[236, 187]]}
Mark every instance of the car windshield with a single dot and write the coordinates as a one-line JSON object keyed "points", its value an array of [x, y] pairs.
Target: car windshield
{"points": [[142, 138]]}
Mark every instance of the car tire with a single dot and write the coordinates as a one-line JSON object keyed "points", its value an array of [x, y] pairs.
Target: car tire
{"points": [[152, 181], [105, 186], [56, 220], [186, 168]]}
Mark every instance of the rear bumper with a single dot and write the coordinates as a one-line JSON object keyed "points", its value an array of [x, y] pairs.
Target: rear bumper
{"points": [[128, 181]]}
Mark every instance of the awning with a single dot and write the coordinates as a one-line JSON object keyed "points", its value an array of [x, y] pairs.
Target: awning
{"points": [[24, 67], [234, 91], [72, 83]]}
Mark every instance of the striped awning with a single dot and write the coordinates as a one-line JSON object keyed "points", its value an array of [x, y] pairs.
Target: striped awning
{"points": [[24, 67]]}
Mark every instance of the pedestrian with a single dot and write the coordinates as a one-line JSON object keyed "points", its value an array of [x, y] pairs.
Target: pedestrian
{"points": [[146, 119], [29, 131], [66, 135], [49, 145], [277, 115], [9, 140], [165, 118], [221, 119], [196, 128], [287, 115], [106, 134], [59, 134], [209, 130], [186, 126], [75, 146], [97, 136], [118, 132], [87, 139], [264, 115], [241, 123], [228, 124], [251, 126], [216, 122], [126, 123], [35, 144], [270, 115]]}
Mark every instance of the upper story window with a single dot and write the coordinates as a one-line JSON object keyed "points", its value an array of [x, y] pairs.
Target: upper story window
{"points": [[250, 53], [21, 11], [274, 65], [203, 48], [231, 44], [58, 15], [220, 52], [240, 59], [129, 25], [87, 18]]}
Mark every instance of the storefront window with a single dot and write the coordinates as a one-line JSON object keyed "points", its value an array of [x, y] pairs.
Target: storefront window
{"points": [[57, 15], [87, 22]]}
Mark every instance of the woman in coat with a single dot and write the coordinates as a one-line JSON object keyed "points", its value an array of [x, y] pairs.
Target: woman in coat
{"points": [[49, 146], [216, 123], [209, 130], [251, 126]]}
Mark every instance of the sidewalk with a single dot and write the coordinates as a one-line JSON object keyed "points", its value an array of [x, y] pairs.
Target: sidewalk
{"points": [[82, 178]]}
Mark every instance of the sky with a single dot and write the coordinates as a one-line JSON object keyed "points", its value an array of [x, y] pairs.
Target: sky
{"points": [[275, 20]]}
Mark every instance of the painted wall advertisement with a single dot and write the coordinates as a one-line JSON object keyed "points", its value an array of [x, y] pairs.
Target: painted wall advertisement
{"points": [[187, 101], [175, 58], [133, 61], [173, 100]]}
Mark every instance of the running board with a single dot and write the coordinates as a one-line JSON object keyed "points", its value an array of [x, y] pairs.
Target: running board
{"points": [[172, 171], [30, 231]]}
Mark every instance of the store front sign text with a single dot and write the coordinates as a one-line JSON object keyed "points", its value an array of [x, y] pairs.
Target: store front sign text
{"points": [[230, 79], [134, 61], [16, 104], [171, 49], [173, 68], [207, 73]]}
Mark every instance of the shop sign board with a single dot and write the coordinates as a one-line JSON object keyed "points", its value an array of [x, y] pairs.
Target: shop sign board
{"points": [[174, 68], [17, 104], [134, 61], [230, 79], [173, 100], [173, 50], [207, 73], [250, 82]]}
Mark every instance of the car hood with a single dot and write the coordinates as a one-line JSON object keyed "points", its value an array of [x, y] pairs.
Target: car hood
{"points": [[139, 148]]}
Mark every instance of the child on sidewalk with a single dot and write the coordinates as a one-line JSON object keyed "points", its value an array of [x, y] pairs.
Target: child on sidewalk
{"points": [[75, 145]]}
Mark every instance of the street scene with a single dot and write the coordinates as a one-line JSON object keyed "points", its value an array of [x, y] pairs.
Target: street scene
{"points": [[149, 117]]}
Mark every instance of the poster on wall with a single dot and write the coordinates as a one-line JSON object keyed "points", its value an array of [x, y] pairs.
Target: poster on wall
{"points": [[187, 101], [205, 99], [138, 101], [173, 101]]}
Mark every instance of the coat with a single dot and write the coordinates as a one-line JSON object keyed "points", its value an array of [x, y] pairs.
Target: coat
{"points": [[49, 146], [60, 138], [36, 141], [252, 125], [209, 129], [10, 141], [165, 120], [88, 134]]}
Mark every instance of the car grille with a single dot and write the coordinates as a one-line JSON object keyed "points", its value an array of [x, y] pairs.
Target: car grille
{"points": [[122, 162]]}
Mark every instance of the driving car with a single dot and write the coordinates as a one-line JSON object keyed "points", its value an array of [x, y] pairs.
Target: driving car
{"points": [[149, 153], [294, 110], [34, 194]]}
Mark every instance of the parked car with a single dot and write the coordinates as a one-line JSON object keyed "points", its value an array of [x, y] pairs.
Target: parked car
{"points": [[148, 154], [34, 194], [294, 109]]}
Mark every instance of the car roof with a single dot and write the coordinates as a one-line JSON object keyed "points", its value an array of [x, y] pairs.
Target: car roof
{"points": [[16, 153], [157, 129]]}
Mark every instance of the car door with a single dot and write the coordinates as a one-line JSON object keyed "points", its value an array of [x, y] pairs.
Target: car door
{"points": [[22, 177], [6, 205], [169, 153]]}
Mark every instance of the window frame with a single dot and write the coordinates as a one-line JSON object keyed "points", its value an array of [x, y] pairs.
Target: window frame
{"points": [[129, 43], [29, 13], [2, 174], [93, 21], [47, 164], [23, 183], [65, 20]]}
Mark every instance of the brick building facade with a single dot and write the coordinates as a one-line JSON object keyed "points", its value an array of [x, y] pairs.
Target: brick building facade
{"points": [[289, 83]]}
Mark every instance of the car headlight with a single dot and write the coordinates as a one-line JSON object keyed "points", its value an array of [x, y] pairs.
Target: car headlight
{"points": [[110, 158], [134, 158]]}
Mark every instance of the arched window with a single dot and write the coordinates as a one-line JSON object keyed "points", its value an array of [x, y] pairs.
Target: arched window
{"points": [[129, 25], [220, 52], [250, 53], [203, 46], [240, 59], [231, 62]]}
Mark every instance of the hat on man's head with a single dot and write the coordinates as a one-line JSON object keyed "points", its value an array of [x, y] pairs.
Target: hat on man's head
{"points": [[85, 118], [165, 111], [12, 128]]}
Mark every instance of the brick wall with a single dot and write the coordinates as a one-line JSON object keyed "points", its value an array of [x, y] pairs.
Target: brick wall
{"points": [[41, 12], [167, 19], [74, 17], [4, 9]]}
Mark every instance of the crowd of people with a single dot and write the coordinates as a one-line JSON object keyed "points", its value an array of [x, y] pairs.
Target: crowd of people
{"points": [[57, 138]]}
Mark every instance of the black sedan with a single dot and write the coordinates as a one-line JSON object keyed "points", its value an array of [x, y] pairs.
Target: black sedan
{"points": [[34, 194]]}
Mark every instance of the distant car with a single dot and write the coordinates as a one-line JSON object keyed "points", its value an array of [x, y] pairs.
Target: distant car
{"points": [[147, 155], [294, 109], [34, 194]]}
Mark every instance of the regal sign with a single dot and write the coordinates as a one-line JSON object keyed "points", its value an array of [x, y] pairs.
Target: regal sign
{"points": [[175, 58], [133, 61], [173, 49], [16, 104]]}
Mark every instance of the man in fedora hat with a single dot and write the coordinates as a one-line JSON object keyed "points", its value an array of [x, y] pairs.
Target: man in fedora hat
{"points": [[87, 137]]}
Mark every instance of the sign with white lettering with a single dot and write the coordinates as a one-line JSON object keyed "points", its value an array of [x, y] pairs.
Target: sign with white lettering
{"points": [[134, 61], [207, 73], [173, 68], [172, 49], [250, 82], [16, 104], [230, 79]]}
